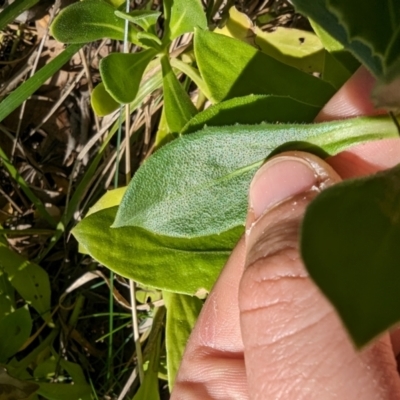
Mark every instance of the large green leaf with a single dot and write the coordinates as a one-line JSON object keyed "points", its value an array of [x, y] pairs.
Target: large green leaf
{"points": [[240, 70], [15, 329], [29, 279], [89, 20], [197, 185], [183, 16], [252, 109], [122, 73], [152, 259], [182, 313], [179, 109], [375, 26], [352, 251]]}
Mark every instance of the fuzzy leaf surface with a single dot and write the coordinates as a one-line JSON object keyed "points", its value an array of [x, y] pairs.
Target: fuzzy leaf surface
{"points": [[89, 20], [241, 70], [152, 259], [352, 251], [197, 185]]}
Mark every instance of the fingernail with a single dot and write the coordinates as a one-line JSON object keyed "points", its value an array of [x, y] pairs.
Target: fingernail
{"points": [[279, 179]]}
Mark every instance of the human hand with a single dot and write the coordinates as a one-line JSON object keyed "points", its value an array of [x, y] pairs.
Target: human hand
{"points": [[266, 331]]}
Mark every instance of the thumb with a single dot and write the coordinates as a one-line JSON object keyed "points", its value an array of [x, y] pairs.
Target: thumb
{"points": [[294, 344]]}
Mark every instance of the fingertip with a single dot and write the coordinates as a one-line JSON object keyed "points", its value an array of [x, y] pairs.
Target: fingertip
{"points": [[352, 99]]}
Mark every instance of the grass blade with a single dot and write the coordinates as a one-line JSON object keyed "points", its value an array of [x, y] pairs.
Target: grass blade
{"points": [[10, 13], [19, 95]]}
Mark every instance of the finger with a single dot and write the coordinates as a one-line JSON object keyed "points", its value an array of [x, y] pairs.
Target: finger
{"points": [[213, 364], [294, 343], [352, 100]]}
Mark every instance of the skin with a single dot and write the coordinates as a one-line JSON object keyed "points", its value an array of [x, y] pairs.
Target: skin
{"points": [[266, 331]]}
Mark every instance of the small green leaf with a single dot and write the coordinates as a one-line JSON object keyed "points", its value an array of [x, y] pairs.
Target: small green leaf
{"points": [[15, 329], [352, 252], [89, 20], [29, 279], [101, 101], [122, 73], [197, 184], [143, 18], [252, 109], [179, 109], [151, 259], [182, 313], [240, 70], [183, 16]]}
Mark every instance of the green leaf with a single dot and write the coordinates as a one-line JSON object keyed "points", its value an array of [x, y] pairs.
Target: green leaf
{"points": [[143, 18], [149, 388], [240, 70], [149, 40], [7, 300], [110, 199], [64, 391], [335, 48], [15, 329], [182, 16], [300, 49], [191, 73], [182, 313], [19, 95], [378, 24], [197, 184], [352, 251], [12, 11], [252, 109], [122, 73], [179, 109], [89, 20], [373, 37], [152, 259], [101, 101], [29, 279], [319, 12]]}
